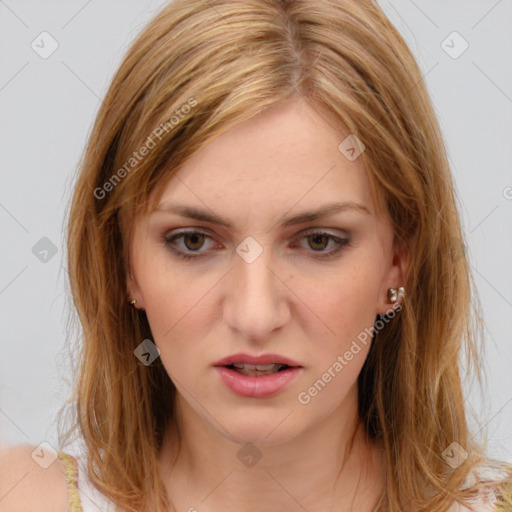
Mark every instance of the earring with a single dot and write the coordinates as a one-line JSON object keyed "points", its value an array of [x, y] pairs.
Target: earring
{"points": [[393, 294], [133, 302]]}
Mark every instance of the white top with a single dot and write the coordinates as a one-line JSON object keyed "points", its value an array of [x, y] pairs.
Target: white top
{"points": [[93, 500], [485, 501]]}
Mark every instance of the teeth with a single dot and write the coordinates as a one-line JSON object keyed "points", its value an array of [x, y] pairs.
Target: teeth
{"points": [[255, 366], [257, 369]]}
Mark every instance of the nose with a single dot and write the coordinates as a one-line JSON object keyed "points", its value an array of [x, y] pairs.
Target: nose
{"points": [[256, 298]]}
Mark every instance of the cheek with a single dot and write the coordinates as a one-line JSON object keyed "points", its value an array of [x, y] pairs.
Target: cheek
{"points": [[345, 304], [177, 308]]}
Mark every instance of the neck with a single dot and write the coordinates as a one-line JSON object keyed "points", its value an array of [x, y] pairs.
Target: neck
{"points": [[324, 468]]}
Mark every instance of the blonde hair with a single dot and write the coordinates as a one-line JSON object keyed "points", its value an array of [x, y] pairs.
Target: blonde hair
{"points": [[198, 69]]}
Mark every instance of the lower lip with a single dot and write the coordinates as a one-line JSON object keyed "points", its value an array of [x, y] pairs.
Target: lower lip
{"points": [[257, 387]]}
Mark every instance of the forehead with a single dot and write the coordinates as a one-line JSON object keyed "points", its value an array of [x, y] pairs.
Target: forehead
{"points": [[287, 155]]}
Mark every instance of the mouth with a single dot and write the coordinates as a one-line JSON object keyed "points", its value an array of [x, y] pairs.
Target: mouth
{"points": [[257, 370], [263, 380], [257, 365]]}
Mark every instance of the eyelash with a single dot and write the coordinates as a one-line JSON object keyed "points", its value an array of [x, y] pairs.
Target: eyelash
{"points": [[341, 243]]}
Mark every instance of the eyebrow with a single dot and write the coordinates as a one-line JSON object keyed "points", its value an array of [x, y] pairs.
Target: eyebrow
{"points": [[306, 216]]}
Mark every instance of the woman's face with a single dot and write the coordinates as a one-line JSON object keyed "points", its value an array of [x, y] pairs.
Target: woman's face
{"points": [[303, 291]]}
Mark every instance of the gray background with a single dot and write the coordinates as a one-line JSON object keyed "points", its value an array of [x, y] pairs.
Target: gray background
{"points": [[47, 107]]}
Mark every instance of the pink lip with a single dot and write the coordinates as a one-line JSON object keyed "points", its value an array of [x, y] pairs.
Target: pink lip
{"points": [[262, 359], [257, 387]]}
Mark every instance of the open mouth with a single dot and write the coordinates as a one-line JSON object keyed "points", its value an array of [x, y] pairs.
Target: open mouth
{"points": [[257, 370]]}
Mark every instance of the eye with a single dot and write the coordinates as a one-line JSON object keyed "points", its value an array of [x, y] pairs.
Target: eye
{"points": [[319, 240], [193, 241]]}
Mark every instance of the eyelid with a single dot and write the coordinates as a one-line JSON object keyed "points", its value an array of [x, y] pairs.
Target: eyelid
{"points": [[206, 231], [326, 231]]}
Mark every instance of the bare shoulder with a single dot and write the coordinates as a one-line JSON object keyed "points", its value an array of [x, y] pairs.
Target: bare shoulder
{"points": [[28, 485]]}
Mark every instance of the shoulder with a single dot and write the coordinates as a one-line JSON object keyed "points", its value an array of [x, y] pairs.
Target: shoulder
{"points": [[29, 482]]}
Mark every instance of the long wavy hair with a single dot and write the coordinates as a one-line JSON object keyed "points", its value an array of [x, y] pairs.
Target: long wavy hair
{"points": [[198, 69]]}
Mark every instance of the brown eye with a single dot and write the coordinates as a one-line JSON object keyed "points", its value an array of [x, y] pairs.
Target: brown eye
{"points": [[193, 241], [319, 241], [187, 244]]}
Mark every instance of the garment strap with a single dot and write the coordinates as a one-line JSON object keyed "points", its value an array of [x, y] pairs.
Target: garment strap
{"points": [[71, 475]]}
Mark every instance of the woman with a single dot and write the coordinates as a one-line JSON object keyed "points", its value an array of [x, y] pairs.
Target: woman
{"points": [[264, 252]]}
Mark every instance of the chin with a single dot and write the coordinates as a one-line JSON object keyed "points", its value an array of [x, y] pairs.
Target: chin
{"points": [[258, 430]]}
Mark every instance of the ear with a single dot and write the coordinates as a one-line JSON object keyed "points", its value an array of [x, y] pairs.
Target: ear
{"points": [[394, 278], [133, 290]]}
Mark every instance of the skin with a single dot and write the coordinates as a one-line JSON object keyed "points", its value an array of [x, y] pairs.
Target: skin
{"points": [[288, 301]]}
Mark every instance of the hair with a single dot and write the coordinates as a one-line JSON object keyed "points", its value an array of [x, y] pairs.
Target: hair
{"points": [[199, 68]]}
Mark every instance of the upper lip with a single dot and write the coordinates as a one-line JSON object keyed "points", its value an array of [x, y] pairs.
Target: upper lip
{"points": [[261, 359]]}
